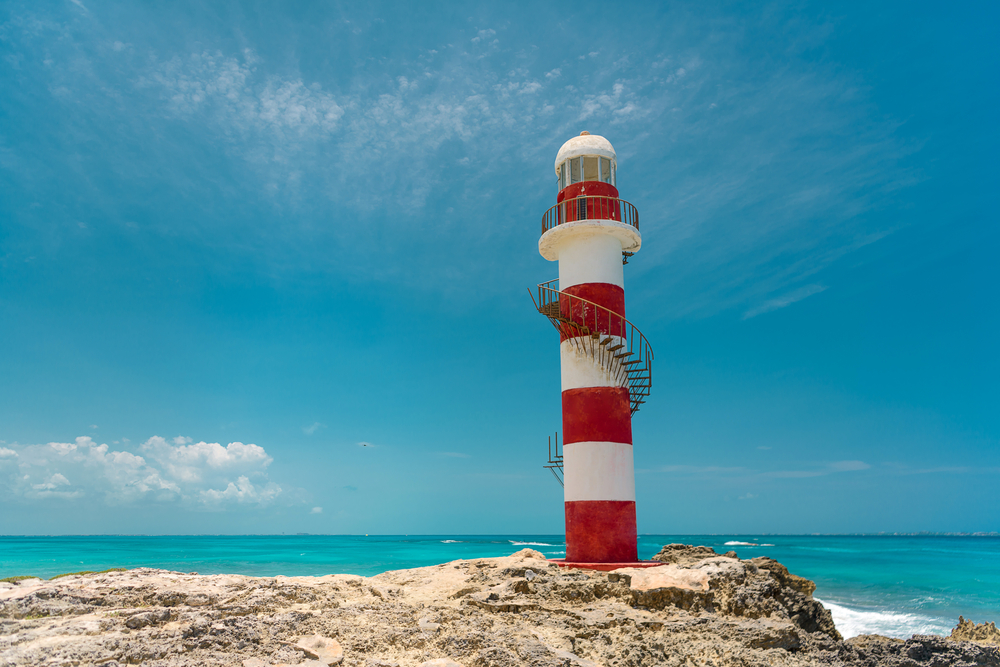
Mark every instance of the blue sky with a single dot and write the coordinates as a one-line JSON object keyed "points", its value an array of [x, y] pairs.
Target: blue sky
{"points": [[307, 229]]}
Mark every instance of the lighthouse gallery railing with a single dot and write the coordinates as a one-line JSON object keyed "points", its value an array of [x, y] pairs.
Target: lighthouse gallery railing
{"points": [[608, 338], [590, 208]]}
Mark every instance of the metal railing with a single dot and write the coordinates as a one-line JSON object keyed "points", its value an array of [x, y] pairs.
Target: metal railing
{"points": [[590, 208], [555, 464], [608, 338]]}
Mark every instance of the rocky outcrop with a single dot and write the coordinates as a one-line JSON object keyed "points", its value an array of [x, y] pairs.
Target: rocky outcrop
{"points": [[698, 609], [757, 588], [876, 651], [967, 631]]}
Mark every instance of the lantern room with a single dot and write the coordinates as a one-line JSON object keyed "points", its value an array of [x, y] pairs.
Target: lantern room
{"points": [[586, 166]]}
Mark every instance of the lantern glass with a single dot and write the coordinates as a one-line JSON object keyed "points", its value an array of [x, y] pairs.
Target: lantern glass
{"points": [[605, 170]]}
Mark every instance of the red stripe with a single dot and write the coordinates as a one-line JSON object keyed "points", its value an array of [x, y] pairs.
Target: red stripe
{"points": [[601, 531], [592, 188], [609, 296], [597, 414]]}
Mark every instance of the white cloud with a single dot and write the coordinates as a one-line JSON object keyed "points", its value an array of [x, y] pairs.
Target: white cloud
{"points": [[483, 35], [785, 300], [316, 510], [815, 470], [206, 474], [241, 491], [312, 428], [53, 482], [825, 469]]}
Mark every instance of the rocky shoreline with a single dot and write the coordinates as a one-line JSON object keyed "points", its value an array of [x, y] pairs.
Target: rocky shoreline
{"points": [[701, 608]]}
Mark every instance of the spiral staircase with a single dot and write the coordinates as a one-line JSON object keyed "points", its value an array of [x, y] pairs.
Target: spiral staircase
{"points": [[606, 337]]}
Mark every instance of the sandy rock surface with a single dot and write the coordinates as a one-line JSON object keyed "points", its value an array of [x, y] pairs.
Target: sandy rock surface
{"points": [[982, 633], [699, 608]]}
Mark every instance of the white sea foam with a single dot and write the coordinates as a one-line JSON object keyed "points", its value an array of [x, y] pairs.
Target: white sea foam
{"points": [[853, 622], [531, 544], [747, 544], [451, 541]]}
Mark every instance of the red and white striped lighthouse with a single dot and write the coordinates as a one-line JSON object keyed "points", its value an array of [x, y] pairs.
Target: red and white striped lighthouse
{"points": [[605, 360]]}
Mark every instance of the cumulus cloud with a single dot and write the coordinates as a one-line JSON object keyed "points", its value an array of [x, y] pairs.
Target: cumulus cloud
{"points": [[316, 510], [206, 474]]}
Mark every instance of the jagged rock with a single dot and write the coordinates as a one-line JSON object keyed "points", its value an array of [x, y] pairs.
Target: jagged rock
{"points": [[932, 650], [967, 631], [683, 554], [700, 608]]}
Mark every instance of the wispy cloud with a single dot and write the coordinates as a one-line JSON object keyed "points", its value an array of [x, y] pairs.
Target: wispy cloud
{"points": [[825, 469], [906, 469], [454, 455], [312, 428], [752, 179], [784, 300], [815, 470]]}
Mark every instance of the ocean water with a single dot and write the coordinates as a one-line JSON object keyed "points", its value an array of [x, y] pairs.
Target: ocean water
{"points": [[890, 585]]}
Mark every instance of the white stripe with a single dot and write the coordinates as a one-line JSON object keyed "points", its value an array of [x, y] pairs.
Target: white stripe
{"points": [[598, 471], [552, 242], [591, 259], [580, 369]]}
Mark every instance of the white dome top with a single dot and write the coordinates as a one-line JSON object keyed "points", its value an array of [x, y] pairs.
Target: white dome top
{"points": [[585, 144]]}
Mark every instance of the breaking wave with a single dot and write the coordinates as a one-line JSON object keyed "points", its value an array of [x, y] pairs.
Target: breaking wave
{"points": [[902, 625], [531, 544], [451, 541], [747, 544]]}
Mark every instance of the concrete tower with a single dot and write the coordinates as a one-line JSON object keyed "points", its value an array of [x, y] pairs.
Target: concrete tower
{"points": [[605, 360]]}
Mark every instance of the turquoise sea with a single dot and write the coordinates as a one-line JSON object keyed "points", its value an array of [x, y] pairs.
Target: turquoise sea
{"points": [[886, 584]]}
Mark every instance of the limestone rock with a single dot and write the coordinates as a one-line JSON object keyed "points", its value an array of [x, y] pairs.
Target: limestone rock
{"points": [[700, 608], [984, 633], [324, 649], [876, 651], [683, 554]]}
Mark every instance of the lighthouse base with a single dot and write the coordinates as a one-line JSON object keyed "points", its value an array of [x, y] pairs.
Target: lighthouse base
{"points": [[603, 567]]}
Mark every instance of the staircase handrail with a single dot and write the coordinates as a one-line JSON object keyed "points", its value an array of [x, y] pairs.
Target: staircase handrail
{"points": [[638, 379]]}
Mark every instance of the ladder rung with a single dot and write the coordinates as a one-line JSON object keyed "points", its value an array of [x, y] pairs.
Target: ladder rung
{"points": [[623, 354], [634, 361]]}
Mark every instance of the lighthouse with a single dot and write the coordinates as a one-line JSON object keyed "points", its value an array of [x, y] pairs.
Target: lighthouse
{"points": [[606, 362]]}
